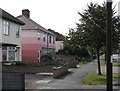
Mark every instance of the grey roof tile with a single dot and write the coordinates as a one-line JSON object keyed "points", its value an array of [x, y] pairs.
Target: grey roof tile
{"points": [[9, 17], [32, 25]]}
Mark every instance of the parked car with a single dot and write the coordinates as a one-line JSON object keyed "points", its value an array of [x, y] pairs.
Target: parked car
{"points": [[116, 57]]}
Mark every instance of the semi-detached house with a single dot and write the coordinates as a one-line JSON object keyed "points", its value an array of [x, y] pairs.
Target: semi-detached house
{"points": [[10, 37], [36, 40]]}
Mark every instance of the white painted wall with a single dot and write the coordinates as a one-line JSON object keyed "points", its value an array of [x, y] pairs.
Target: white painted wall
{"points": [[0, 76], [58, 45], [12, 38], [0, 39], [0, 30], [0, 53]]}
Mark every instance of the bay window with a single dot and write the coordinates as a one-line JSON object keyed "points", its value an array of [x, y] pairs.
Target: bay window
{"points": [[8, 53]]}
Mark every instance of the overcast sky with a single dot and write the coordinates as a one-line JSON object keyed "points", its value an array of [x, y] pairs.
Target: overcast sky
{"points": [[59, 15]]}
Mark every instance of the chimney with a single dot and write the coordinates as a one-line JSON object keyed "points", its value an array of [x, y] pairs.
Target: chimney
{"points": [[26, 13]]}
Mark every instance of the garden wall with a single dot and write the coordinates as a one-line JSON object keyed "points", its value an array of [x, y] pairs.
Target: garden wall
{"points": [[13, 82], [59, 71], [26, 69]]}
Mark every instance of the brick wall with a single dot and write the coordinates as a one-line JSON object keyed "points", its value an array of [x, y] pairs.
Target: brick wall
{"points": [[13, 81]]}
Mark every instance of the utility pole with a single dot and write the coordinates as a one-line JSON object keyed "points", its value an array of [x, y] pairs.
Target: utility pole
{"points": [[109, 45]]}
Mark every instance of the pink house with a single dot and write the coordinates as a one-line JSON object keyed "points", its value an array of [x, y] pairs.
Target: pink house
{"points": [[36, 40]]}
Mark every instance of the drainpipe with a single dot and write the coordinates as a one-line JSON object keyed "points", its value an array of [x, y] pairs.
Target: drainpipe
{"points": [[47, 41]]}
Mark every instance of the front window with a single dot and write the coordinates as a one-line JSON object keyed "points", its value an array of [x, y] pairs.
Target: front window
{"points": [[4, 53], [6, 29], [8, 53], [44, 38], [11, 53]]}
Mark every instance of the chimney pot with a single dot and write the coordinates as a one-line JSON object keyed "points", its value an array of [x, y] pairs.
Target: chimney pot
{"points": [[26, 13]]}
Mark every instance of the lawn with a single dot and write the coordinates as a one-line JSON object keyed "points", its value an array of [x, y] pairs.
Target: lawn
{"points": [[93, 78], [85, 62], [114, 64]]}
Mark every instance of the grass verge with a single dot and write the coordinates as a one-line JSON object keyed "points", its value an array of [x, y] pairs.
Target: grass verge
{"points": [[114, 64], [81, 62], [93, 78]]}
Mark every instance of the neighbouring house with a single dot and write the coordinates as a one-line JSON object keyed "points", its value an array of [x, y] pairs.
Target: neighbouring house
{"points": [[59, 40], [10, 37], [36, 40], [58, 46]]}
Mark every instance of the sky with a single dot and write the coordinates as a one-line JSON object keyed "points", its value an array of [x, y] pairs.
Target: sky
{"points": [[58, 15]]}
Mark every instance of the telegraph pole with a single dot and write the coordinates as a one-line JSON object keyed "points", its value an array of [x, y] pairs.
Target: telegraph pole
{"points": [[109, 45]]}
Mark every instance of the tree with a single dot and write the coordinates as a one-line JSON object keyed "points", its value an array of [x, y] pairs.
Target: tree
{"points": [[93, 28], [73, 46]]}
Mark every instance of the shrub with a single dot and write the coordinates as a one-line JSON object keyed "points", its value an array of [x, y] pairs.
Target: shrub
{"points": [[46, 57], [19, 63]]}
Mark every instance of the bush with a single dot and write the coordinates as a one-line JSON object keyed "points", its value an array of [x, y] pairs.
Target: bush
{"points": [[81, 52], [19, 63], [46, 57]]}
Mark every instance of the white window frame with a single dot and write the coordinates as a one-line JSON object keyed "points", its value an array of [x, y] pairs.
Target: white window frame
{"points": [[38, 35], [11, 49], [6, 27], [44, 38], [8, 51], [18, 31]]}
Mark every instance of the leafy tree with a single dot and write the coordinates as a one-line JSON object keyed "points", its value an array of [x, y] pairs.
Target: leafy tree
{"points": [[73, 46], [93, 28]]}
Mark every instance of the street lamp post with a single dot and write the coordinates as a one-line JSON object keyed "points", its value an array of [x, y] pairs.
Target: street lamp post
{"points": [[109, 45]]}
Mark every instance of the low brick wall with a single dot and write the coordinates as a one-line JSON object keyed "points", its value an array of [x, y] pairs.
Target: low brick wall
{"points": [[13, 82], [26, 69], [59, 71]]}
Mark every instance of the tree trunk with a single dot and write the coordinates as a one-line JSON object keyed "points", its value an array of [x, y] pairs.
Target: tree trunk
{"points": [[99, 68]]}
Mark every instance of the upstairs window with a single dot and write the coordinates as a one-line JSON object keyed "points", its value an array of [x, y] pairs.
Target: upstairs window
{"points": [[44, 38], [50, 38], [6, 29], [38, 36], [53, 40], [18, 31]]}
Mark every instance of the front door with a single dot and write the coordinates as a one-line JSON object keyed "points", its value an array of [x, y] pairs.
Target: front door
{"points": [[38, 55]]}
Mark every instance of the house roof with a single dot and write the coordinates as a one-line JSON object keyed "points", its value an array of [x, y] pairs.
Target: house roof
{"points": [[32, 25], [9, 17]]}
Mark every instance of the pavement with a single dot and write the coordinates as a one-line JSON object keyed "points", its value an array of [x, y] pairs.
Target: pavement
{"points": [[71, 80]]}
